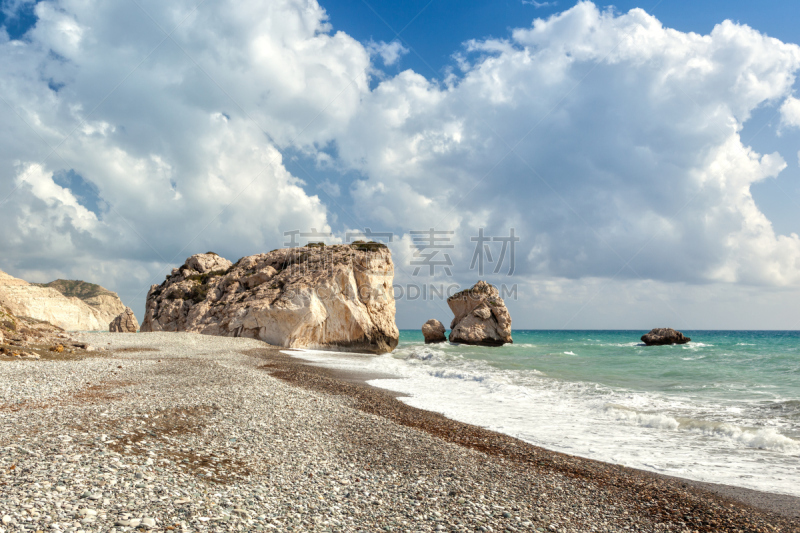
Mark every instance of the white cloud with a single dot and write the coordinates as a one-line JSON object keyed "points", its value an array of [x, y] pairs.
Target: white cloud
{"points": [[790, 112], [600, 303], [183, 148], [626, 146], [42, 186], [610, 143], [390, 53], [332, 189]]}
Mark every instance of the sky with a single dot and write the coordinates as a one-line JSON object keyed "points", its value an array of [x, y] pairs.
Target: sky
{"points": [[608, 167]]}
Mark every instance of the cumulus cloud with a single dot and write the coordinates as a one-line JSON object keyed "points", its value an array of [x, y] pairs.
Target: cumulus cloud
{"points": [[178, 141], [390, 53], [790, 112], [611, 144]]}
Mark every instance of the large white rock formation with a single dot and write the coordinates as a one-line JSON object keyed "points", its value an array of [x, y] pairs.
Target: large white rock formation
{"points": [[329, 297], [48, 304]]}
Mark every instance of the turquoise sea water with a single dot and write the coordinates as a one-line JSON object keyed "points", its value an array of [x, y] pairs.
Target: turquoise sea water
{"points": [[723, 408]]}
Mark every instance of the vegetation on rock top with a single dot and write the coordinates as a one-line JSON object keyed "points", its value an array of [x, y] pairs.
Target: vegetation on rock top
{"points": [[370, 246], [203, 278], [77, 288]]}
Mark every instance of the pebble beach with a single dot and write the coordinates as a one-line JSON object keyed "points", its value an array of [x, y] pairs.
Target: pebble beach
{"points": [[183, 432]]}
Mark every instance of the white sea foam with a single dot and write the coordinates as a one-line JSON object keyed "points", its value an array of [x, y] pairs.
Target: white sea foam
{"points": [[758, 438], [669, 434], [623, 344], [695, 345], [651, 420], [422, 353]]}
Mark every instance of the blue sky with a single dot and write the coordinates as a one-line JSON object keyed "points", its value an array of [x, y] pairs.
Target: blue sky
{"points": [[435, 30], [651, 174]]}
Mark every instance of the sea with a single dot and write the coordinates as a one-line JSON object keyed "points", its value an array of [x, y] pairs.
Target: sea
{"points": [[724, 408]]}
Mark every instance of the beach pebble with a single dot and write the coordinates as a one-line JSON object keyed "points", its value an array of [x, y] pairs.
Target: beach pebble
{"points": [[207, 440]]}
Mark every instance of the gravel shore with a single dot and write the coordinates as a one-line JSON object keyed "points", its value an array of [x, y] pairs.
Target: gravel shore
{"points": [[182, 432]]}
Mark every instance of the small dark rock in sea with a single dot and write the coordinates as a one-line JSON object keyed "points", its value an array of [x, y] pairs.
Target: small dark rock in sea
{"points": [[662, 336]]}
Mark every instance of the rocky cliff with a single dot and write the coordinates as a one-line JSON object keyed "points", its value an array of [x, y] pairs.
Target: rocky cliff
{"points": [[328, 297], [16, 331], [29, 338], [480, 316], [47, 304], [105, 302]]}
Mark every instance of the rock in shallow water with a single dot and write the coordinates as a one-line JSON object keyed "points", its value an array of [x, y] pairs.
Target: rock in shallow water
{"points": [[433, 331], [481, 316], [663, 336], [314, 296]]}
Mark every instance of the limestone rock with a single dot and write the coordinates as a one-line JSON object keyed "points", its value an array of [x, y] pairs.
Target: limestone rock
{"points": [[481, 317], [326, 297], [662, 336], [207, 262], [48, 304], [125, 322], [23, 331], [433, 330], [106, 303]]}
